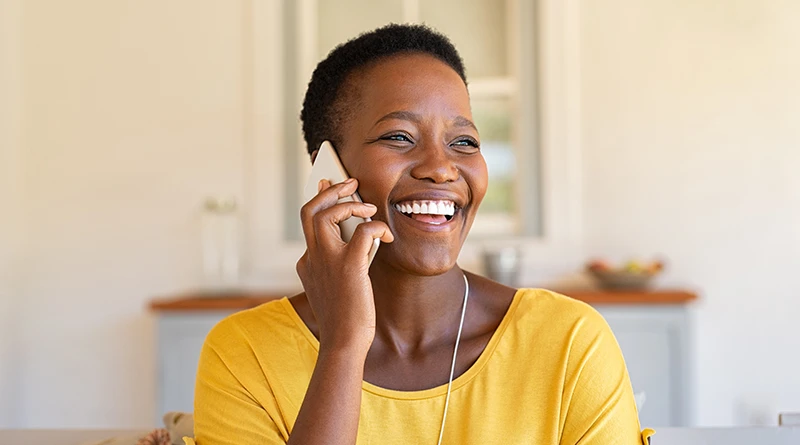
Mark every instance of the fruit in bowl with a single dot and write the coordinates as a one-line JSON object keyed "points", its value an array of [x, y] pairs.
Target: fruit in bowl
{"points": [[631, 275]]}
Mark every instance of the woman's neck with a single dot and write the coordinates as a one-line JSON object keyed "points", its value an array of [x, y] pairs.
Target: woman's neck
{"points": [[413, 312]]}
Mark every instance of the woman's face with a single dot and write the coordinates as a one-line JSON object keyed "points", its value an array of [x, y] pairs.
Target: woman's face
{"points": [[411, 143]]}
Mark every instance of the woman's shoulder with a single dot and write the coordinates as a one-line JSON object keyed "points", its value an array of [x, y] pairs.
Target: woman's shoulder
{"points": [[533, 313], [270, 320], [547, 301], [544, 311]]}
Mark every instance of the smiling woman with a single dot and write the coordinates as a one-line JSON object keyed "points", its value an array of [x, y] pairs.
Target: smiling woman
{"points": [[409, 348]]}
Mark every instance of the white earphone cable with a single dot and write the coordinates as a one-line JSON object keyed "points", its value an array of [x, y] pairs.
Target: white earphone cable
{"points": [[455, 354]]}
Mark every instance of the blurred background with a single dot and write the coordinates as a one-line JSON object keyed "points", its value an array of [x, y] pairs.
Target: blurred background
{"points": [[152, 148]]}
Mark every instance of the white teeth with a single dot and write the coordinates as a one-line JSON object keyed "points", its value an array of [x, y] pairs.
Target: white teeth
{"points": [[447, 208]]}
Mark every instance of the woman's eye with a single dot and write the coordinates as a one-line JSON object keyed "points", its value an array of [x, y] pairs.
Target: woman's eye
{"points": [[396, 138], [467, 142]]}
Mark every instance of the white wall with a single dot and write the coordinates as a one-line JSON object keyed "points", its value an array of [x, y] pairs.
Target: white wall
{"points": [[132, 115], [11, 202], [691, 148]]}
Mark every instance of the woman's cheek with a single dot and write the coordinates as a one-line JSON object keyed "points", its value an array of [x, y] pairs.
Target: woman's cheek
{"points": [[479, 175]]}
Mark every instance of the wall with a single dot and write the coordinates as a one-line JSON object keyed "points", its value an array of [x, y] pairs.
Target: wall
{"points": [[132, 115], [691, 148], [11, 202]]}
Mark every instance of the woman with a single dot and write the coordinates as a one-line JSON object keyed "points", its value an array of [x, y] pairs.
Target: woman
{"points": [[365, 354]]}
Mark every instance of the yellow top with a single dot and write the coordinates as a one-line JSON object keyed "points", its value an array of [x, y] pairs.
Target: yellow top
{"points": [[552, 373]]}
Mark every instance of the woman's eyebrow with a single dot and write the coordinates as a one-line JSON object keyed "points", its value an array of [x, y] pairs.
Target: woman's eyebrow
{"points": [[462, 121], [402, 115]]}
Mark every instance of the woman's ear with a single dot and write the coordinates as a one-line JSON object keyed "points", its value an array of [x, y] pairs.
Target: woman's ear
{"points": [[314, 155]]}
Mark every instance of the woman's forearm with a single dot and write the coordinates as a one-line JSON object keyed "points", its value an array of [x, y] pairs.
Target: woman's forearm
{"points": [[332, 405]]}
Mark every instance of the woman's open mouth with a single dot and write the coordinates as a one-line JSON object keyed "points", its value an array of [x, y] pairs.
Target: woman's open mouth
{"points": [[429, 212]]}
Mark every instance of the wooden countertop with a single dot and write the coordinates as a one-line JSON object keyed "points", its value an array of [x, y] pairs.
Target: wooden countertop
{"points": [[236, 301]]}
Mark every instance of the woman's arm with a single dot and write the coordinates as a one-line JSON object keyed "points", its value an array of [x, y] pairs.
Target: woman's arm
{"points": [[332, 405], [226, 412], [335, 277], [598, 397], [337, 286]]}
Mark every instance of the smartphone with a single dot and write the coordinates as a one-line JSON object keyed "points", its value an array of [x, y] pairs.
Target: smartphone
{"points": [[328, 166]]}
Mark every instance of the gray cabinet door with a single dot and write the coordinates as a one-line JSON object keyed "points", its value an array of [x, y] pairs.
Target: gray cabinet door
{"points": [[180, 338]]}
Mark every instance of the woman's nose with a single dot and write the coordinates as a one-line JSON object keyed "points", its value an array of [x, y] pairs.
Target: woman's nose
{"points": [[434, 164]]}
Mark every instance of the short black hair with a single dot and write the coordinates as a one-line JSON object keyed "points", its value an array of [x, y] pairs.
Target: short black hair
{"points": [[323, 107]]}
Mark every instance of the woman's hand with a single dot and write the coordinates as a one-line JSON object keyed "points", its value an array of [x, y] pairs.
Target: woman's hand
{"points": [[334, 273]]}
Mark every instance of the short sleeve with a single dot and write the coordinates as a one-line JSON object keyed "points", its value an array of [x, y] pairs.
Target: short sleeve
{"points": [[598, 403], [226, 412]]}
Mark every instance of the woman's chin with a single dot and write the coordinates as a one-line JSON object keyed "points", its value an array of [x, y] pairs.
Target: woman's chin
{"points": [[421, 262]]}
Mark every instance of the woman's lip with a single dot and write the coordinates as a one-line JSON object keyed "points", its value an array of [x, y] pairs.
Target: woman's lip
{"points": [[427, 227]]}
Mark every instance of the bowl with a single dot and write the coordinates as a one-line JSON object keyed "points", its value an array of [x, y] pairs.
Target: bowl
{"points": [[623, 279]]}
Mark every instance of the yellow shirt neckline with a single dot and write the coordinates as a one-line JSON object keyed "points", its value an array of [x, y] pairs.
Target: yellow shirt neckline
{"points": [[436, 391]]}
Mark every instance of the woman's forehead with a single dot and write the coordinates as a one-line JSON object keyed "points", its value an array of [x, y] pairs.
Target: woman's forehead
{"points": [[414, 83]]}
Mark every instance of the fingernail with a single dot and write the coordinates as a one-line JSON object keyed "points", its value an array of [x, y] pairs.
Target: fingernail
{"points": [[349, 180], [319, 185], [372, 206]]}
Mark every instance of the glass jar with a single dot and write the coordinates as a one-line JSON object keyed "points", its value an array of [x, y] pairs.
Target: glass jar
{"points": [[220, 245]]}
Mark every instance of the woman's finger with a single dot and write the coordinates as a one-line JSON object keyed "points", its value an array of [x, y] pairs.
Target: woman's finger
{"points": [[328, 196], [365, 234], [326, 221]]}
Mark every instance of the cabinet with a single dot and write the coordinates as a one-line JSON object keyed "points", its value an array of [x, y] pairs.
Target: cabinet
{"points": [[180, 338], [652, 328]]}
